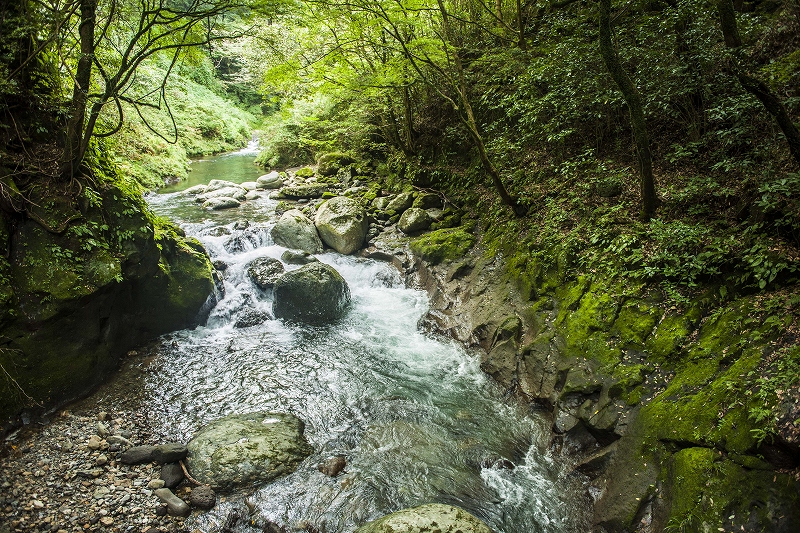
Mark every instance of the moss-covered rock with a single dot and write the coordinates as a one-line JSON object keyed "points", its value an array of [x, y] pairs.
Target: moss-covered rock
{"points": [[86, 280], [443, 245], [330, 163]]}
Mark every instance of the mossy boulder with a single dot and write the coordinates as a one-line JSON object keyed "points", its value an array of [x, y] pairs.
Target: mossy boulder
{"points": [[239, 451], [329, 164], [414, 220], [430, 518], [314, 293], [443, 245], [89, 279]]}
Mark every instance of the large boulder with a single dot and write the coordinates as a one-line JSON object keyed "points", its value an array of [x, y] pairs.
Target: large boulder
{"points": [[242, 450], [314, 293], [414, 220], [265, 271], [430, 518], [295, 230], [303, 192], [342, 224], [330, 163]]}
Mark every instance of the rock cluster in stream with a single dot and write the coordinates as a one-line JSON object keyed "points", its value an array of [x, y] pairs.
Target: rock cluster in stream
{"points": [[85, 472]]}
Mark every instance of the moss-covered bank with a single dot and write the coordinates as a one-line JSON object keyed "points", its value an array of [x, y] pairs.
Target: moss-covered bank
{"points": [[87, 276]]}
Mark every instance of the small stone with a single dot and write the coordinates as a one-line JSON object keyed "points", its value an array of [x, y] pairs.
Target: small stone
{"points": [[119, 440], [106, 520], [103, 430], [38, 504], [203, 497], [172, 474], [161, 510], [138, 455], [94, 442], [155, 484], [332, 466], [175, 506], [103, 416], [101, 460], [172, 452]]}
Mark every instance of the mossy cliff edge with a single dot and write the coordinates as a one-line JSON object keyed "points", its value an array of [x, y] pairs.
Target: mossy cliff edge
{"points": [[85, 277], [681, 417]]}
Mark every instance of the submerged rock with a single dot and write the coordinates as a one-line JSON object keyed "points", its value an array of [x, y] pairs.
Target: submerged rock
{"points": [[342, 224], [294, 257], [430, 518], [241, 450], [314, 293]]}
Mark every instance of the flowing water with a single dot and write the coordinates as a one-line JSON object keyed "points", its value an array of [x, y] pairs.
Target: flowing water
{"points": [[413, 414]]}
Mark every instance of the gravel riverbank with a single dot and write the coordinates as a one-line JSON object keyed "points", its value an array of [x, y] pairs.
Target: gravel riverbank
{"points": [[64, 474]]}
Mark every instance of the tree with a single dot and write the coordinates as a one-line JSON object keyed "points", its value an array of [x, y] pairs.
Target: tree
{"points": [[634, 100], [116, 37], [736, 64]]}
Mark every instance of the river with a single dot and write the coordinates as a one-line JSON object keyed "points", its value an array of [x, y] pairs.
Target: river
{"points": [[412, 412]]}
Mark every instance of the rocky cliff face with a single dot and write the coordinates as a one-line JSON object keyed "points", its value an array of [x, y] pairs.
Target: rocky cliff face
{"points": [[84, 280], [653, 403]]}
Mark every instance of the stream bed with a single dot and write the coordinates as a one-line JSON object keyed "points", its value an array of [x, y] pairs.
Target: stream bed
{"points": [[413, 414]]}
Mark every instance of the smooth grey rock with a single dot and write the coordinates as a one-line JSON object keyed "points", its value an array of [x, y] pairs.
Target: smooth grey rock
{"points": [[203, 497], [314, 293], [295, 230], [342, 224], [223, 202], [215, 185], [249, 185], [295, 257], [252, 195], [414, 220], [273, 180], [171, 452], [195, 190], [172, 474], [430, 518], [175, 506], [265, 271], [138, 455], [235, 192], [242, 450]]}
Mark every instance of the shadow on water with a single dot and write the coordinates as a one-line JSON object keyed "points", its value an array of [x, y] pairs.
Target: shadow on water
{"points": [[413, 414]]}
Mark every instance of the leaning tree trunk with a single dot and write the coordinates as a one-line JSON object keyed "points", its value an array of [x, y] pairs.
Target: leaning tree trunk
{"points": [[634, 100], [74, 145], [751, 84]]}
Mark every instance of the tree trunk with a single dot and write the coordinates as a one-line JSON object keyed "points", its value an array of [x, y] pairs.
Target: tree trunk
{"points": [[634, 100], [468, 117], [753, 85], [74, 147]]}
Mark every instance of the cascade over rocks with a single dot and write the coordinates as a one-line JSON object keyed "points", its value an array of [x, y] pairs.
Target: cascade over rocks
{"points": [[295, 230], [430, 518], [314, 293], [342, 224], [242, 450]]}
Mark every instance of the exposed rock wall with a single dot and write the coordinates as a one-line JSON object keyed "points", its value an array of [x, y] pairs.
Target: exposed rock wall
{"points": [[648, 401], [78, 295]]}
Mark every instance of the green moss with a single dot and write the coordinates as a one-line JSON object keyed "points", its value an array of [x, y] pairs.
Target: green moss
{"points": [[635, 323], [711, 493], [671, 334], [443, 245], [330, 163], [305, 172]]}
